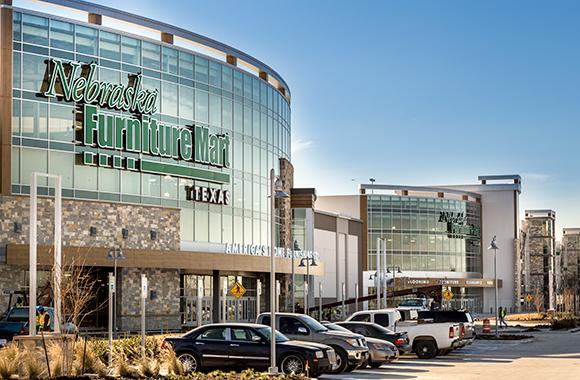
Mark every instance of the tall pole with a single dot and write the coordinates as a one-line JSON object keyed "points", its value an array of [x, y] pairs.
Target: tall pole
{"points": [[273, 369], [320, 301], [32, 258], [343, 291], [385, 288], [143, 299], [57, 253], [495, 285], [378, 282], [356, 297], [115, 293], [111, 292]]}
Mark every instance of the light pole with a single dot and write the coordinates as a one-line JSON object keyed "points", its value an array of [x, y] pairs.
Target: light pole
{"points": [[395, 269], [376, 277], [115, 254], [276, 191], [493, 245], [309, 261], [295, 247]]}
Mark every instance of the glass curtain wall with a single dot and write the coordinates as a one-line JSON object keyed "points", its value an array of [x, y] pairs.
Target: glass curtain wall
{"points": [[416, 238], [194, 89]]}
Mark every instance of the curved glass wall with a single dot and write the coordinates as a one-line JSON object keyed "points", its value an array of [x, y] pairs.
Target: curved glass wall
{"points": [[193, 89], [425, 234]]}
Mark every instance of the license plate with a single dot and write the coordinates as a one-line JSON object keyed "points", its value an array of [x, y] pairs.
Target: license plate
{"points": [[3, 342]]}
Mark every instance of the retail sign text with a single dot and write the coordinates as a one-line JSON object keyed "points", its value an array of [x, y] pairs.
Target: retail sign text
{"points": [[457, 227], [264, 250], [138, 134]]}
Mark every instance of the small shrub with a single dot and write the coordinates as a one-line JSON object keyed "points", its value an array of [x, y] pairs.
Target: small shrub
{"points": [[33, 362], [8, 361], [92, 362], [172, 365], [55, 354], [149, 367], [566, 323]]}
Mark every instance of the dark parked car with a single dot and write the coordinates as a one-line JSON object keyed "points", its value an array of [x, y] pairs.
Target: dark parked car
{"points": [[246, 345], [373, 330], [351, 349]]}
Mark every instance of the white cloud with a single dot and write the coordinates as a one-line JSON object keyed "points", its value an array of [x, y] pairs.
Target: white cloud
{"points": [[300, 145]]}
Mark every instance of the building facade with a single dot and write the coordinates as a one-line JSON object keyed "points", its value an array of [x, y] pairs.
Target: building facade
{"points": [[164, 145], [570, 252], [539, 261], [438, 235]]}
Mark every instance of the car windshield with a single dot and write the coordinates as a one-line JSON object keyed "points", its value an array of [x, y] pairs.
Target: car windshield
{"points": [[266, 332], [411, 302], [313, 324], [335, 327]]}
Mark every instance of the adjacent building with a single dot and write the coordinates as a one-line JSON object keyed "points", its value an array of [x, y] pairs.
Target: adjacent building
{"points": [[570, 259], [439, 235], [538, 261]]}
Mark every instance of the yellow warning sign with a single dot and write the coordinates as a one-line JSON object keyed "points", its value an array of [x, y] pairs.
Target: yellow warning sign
{"points": [[529, 298], [237, 290], [448, 294]]}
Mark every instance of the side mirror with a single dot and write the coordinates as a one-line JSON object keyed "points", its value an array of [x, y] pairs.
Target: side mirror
{"points": [[256, 338], [302, 330]]}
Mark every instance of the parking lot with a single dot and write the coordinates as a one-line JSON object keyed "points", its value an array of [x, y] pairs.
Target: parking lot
{"points": [[549, 354]]}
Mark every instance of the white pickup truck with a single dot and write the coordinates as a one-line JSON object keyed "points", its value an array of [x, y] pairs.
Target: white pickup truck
{"points": [[427, 339]]}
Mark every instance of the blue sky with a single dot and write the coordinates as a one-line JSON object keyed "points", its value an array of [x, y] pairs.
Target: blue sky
{"points": [[416, 92]]}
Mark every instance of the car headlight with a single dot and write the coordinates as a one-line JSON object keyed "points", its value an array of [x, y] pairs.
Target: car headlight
{"points": [[319, 354], [352, 342]]}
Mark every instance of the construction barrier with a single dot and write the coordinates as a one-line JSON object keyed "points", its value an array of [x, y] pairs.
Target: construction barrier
{"points": [[486, 326]]}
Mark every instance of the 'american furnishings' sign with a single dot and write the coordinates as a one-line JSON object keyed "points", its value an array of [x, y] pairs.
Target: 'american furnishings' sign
{"points": [[150, 145]]}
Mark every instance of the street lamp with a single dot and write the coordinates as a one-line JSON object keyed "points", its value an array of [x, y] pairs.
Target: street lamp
{"points": [[393, 269], [310, 261], [276, 191], [115, 254], [493, 245], [295, 247]]}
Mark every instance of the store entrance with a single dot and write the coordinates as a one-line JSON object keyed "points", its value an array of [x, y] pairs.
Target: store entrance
{"points": [[197, 299]]}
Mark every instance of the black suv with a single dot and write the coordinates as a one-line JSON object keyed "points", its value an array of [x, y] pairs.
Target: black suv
{"points": [[246, 345]]}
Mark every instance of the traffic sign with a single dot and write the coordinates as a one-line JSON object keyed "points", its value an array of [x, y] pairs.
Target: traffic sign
{"points": [[530, 298], [448, 294], [237, 290]]}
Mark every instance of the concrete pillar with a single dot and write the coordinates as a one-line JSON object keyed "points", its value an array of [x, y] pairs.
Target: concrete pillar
{"points": [[216, 297]]}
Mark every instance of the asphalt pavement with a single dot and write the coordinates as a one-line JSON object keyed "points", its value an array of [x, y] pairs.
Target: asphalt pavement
{"points": [[548, 355]]}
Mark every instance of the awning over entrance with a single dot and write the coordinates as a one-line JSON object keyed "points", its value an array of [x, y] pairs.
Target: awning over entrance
{"points": [[407, 282], [17, 254]]}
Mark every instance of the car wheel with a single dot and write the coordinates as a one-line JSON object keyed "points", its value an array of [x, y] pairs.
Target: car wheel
{"points": [[341, 360], [425, 349], [376, 365], [190, 362], [292, 364]]}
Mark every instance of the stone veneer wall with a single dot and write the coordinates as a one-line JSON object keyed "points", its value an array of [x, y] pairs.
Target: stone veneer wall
{"points": [[109, 219], [162, 305], [78, 216], [539, 271]]}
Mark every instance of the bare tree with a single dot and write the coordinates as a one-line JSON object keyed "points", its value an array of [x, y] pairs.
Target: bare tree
{"points": [[538, 300]]}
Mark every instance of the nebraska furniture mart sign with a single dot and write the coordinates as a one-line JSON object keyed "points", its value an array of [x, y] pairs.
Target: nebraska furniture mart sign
{"points": [[137, 132]]}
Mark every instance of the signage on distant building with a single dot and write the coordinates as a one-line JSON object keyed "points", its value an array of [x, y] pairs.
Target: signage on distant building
{"points": [[457, 226], [137, 133], [264, 250]]}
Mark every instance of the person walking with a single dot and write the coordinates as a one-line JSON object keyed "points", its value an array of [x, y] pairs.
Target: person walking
{"points": [[501, 313]]}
